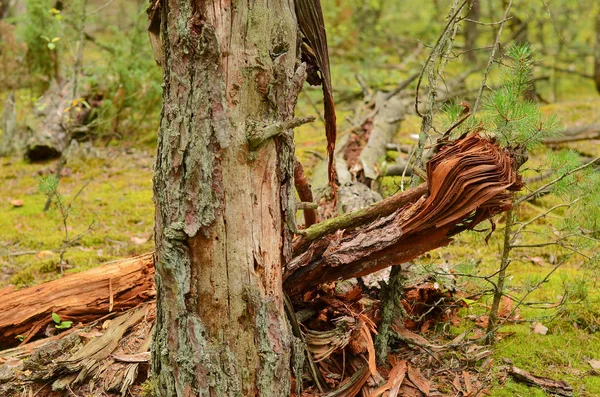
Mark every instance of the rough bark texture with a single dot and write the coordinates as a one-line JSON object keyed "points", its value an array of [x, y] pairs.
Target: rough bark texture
{"points": [[223, 212], [81, 297]]}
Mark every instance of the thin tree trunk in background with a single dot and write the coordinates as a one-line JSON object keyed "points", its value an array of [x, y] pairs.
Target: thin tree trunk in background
{"points": [[471, 31], [221, 234], [597, 54], [4, 8]]}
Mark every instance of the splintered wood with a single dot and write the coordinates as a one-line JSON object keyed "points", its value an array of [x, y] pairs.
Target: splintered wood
{"points": [[81, 297], [469, 181]]}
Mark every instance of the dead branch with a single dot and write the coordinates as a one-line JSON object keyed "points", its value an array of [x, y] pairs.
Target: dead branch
{"points": [[574, 134], [468, 183], [360, 217], [559, 387]]}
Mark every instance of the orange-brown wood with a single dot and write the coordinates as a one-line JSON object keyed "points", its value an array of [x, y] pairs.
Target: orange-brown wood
{"points": [[80, 297]]}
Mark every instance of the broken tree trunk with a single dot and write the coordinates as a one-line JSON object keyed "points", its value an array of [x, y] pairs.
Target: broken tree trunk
{"points": [[49, 126], [80, 297], [468, 182], [390, 111]]}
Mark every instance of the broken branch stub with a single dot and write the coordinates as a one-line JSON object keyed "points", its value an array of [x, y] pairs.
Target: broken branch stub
{"points": [[469, 181]]}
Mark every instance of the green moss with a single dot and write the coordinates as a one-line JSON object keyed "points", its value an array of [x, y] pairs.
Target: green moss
{"points": [[113, 208]]}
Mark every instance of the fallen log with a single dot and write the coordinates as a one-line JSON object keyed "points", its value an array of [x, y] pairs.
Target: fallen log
{"points": [[45, 124], [360, 153], [575, 134], [80, 297], [468, 182]]}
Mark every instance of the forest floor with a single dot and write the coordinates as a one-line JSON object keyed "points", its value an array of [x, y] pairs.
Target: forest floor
{"points": [[113, 217]]}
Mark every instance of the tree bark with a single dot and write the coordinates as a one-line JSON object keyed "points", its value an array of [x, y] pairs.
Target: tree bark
{"points": [[222, 211]]}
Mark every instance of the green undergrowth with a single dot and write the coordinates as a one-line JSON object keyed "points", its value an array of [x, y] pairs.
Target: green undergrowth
{"points": [[114, 215], [568, 304]]}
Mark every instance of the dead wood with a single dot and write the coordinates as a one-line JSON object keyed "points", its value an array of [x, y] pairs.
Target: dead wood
{"points": [[100, 359], [468, 183], [304, 193], [361, 152], [559, 387], [81, 297], [45, 124], [390, 111], [49, 125], [360, 217]]}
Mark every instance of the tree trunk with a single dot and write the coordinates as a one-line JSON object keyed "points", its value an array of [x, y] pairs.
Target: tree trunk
{"points": [[471, 31], [221, 231], [597, 54]]}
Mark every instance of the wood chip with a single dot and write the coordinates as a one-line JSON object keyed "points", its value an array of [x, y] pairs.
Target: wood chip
{"points": [[133, 358]]}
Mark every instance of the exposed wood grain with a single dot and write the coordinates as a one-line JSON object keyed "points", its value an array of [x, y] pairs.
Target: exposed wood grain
{"points": [[80, 297], [469, 181]]}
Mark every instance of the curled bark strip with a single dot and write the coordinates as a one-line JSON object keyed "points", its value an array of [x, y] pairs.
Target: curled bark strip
{"points": [[469, 181]]}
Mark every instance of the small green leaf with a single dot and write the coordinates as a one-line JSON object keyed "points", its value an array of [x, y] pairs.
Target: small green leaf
{"points": [[56, 318], [64, 325], [469, 302]]}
